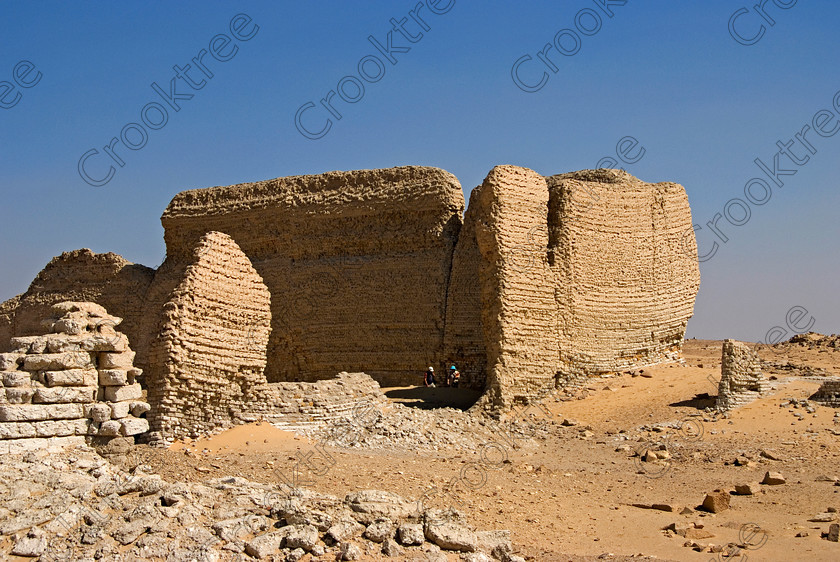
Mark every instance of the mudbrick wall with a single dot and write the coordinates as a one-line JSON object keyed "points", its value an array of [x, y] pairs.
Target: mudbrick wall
{"points": [[518, 311], [578, 274], [357, 264], [77, 380], [626, 274], [81, 275], [209, 351], [545, 280]]}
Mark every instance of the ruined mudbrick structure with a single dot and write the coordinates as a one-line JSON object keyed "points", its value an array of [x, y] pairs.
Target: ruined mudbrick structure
{"points": [[543, 281], [741, 381]]}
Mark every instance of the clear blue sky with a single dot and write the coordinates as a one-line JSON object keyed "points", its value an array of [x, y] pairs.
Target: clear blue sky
{"points": [[703, 105]]}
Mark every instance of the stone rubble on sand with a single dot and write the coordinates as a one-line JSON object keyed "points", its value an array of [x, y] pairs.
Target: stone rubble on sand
{"points": [[76, 505]]}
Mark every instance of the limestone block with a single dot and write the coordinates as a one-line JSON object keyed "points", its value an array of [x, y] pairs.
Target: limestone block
{"points": [[133, 426], [113, 377], [15, 378], [71, 377], [10, 361], [29, 344], [120, 409], [19, 395], [98, 412], [37, 412], [110, 429], [65, 395], [139, 408], [120, 393], [17, 430], [110, 360], [57, 361], [61, 428], [50, 444]]}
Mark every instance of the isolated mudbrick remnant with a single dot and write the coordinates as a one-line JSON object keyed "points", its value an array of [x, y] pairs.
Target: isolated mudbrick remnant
{"points": [[81, 275], [357, 264], [77, 380], [209, 352], [741, 381]]}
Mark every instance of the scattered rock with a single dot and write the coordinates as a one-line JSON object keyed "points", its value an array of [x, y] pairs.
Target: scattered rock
{"points": [[451, 536], [773, 479], [349, 551], [410, 534], [34, 543], [748, 489], [379, 530], [265, 545], [716, 502], [768, 454], [390, 547]]}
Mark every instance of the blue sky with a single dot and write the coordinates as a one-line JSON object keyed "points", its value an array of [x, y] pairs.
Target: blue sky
{"points": [[703, 104]]}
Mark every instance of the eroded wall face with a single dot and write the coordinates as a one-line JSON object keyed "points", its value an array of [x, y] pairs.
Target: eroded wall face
{"points": [[518, 312], [357, 264], [569, 276], [209, 352], [81, 275], [463, 338], [626, 274]]}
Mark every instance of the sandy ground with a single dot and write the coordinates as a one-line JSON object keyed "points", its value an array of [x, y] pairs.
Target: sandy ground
{"points": [[571, 494]]}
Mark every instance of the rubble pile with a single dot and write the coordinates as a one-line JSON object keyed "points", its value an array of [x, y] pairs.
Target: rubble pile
{"points": [[77, 380], [77, 506]]}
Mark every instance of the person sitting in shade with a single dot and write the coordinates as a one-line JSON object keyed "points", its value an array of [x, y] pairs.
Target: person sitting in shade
{"points": [[429, 379], [454, 377]]}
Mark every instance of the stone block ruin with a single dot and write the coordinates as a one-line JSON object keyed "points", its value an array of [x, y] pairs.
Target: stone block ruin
{"points": [[828, 394], [741, 381], [76, 380], [544, 281]]}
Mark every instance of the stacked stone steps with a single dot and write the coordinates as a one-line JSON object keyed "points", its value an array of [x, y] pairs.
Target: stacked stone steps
{"points": [[829, 393], [78, 380]]}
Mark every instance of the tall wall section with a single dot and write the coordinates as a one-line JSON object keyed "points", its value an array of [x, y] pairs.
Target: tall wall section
{"points": [[208, 355], [626, 276], [557, 278], [463, 339], [508, 214], [357, 264], [108, 280]]}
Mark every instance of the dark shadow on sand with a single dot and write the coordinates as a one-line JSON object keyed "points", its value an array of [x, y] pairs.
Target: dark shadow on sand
{"points": [[431, 398]]}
